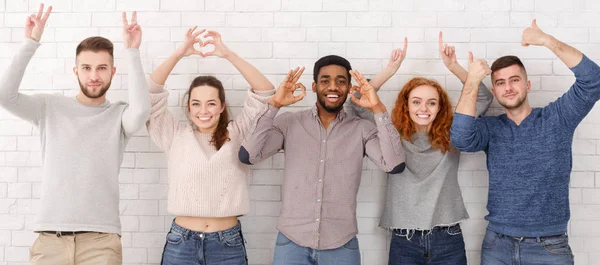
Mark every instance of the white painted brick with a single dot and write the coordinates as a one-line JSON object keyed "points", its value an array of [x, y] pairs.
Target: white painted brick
{"points": [[323, 19], [57, 6], [440, 5], [202, 20], [12, 222], [485, 5], [371, 19], [219, 5], [257, 5], [342, 5], [295, 50], [460, 19], [557, 6], [523, 5], [265, 193], [398, 34], [134, 255], [301, 5], [523, 19], [369, 50], [138, 5], [181, 5], [392, 5], [20, 254], [249, 20], [283, 34], [332, 48], [414, 19], [152, 224], [496, 35], [94, 5], [138, 207], [19, 190], [354, 35]]}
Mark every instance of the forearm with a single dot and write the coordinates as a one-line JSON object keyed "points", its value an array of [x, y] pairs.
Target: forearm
{"points": [[383, 76], [138, 110], [468, 98], [458, 71], [390, 145], [566, 53], [255, 78]]}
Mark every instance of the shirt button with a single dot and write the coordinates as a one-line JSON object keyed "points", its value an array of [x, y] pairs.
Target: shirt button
{"points": [[317, 220], [322, 160], [320, 180], [323, 140], [318, 200]]}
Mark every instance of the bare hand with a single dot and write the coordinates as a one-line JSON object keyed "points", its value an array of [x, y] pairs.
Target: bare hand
{"points": [[447, 52], [187, 47], [534, 36], [369, 98], [132, 32], [398, 56], [35, 24], [220, 49], [478, 69], [284, 95]]}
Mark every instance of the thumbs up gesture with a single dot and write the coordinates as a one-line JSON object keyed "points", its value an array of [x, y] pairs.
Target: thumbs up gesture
{"points": [[478, 69], [534, 36]]}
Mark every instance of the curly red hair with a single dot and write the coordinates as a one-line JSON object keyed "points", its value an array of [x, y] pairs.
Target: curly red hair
{"points": [[439, 134]]}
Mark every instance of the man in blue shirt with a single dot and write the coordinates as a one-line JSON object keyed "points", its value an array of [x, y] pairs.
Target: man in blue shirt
{"points": [[528, 153]]}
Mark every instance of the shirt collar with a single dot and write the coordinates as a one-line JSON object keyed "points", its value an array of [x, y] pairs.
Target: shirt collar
{"points": [[340, 116]]}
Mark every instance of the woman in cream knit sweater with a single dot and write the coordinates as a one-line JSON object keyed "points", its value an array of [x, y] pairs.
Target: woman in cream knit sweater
{"points": [[208, 186]]}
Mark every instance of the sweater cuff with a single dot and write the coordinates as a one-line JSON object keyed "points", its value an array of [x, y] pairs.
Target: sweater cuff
{"points": [[30, 44], [586, 67], [382, 118]]}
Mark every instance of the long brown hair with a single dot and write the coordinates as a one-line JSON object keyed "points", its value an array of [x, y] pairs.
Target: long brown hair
{"points": [[221, 135], [439, 135]]}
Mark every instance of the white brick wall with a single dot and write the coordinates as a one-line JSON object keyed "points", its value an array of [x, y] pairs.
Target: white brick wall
{"points": [[276, 35]]}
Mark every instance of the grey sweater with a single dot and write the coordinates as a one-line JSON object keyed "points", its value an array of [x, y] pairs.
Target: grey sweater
{"points": [[81, 146], [426, 194]]}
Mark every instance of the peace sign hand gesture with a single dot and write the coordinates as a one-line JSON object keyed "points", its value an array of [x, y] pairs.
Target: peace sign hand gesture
{"points": [[132, 32], [34, 24], [369, 98], [284, 96]]}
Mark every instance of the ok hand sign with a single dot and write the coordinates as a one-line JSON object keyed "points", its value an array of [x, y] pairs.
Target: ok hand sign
{"points": [[285, 93], [369, 98], [34, 24]]}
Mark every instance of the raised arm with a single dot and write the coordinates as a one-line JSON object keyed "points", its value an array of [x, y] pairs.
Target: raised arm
{"points": [[255, 78], [577, 102], [448, 54], [269, 134], [138, 110], [396, 59], [27, 107], [382, 144], [261, 87], [162, 125], [467, 133]]}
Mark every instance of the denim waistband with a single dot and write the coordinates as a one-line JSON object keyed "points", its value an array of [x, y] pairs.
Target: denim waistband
{"points": [[530, 239], [186, 233], [435, 228]]}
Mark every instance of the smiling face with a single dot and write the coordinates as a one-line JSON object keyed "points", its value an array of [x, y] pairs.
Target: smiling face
{"points": [[423, 106], [205, 108], [510, 86], [332, 87], [94, 71]]}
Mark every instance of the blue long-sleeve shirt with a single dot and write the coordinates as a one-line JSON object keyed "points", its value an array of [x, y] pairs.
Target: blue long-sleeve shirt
{"points": [[530, 164]]}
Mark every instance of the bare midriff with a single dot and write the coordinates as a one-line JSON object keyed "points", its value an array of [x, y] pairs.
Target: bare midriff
{"points": [[206, 224]]}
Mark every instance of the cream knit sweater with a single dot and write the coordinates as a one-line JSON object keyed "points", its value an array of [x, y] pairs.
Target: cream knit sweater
{"points": [[201, 184]]}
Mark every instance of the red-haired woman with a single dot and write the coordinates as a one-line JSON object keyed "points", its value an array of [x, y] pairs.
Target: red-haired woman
{"points": [[424, 205]]}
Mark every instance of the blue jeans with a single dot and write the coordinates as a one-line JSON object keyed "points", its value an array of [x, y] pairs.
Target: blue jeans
{"points": [[441, 245], [500, 249], [186, 247], [289, 253]]}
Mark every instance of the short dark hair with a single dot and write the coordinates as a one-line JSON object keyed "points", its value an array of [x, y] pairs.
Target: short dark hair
{"points": [[331, 60], [95, 44], [507, 61]]}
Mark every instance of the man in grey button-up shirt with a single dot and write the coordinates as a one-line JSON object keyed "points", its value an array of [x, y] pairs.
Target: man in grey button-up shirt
{"points": [[324, 150]]}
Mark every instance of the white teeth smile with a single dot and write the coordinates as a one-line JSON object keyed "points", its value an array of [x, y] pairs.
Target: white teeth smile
{"points": [[423, 116], [333, 96], [204, 119]]}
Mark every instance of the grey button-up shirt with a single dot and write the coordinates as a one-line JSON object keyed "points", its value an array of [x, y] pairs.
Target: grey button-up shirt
{"points": [[322, 169]]}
